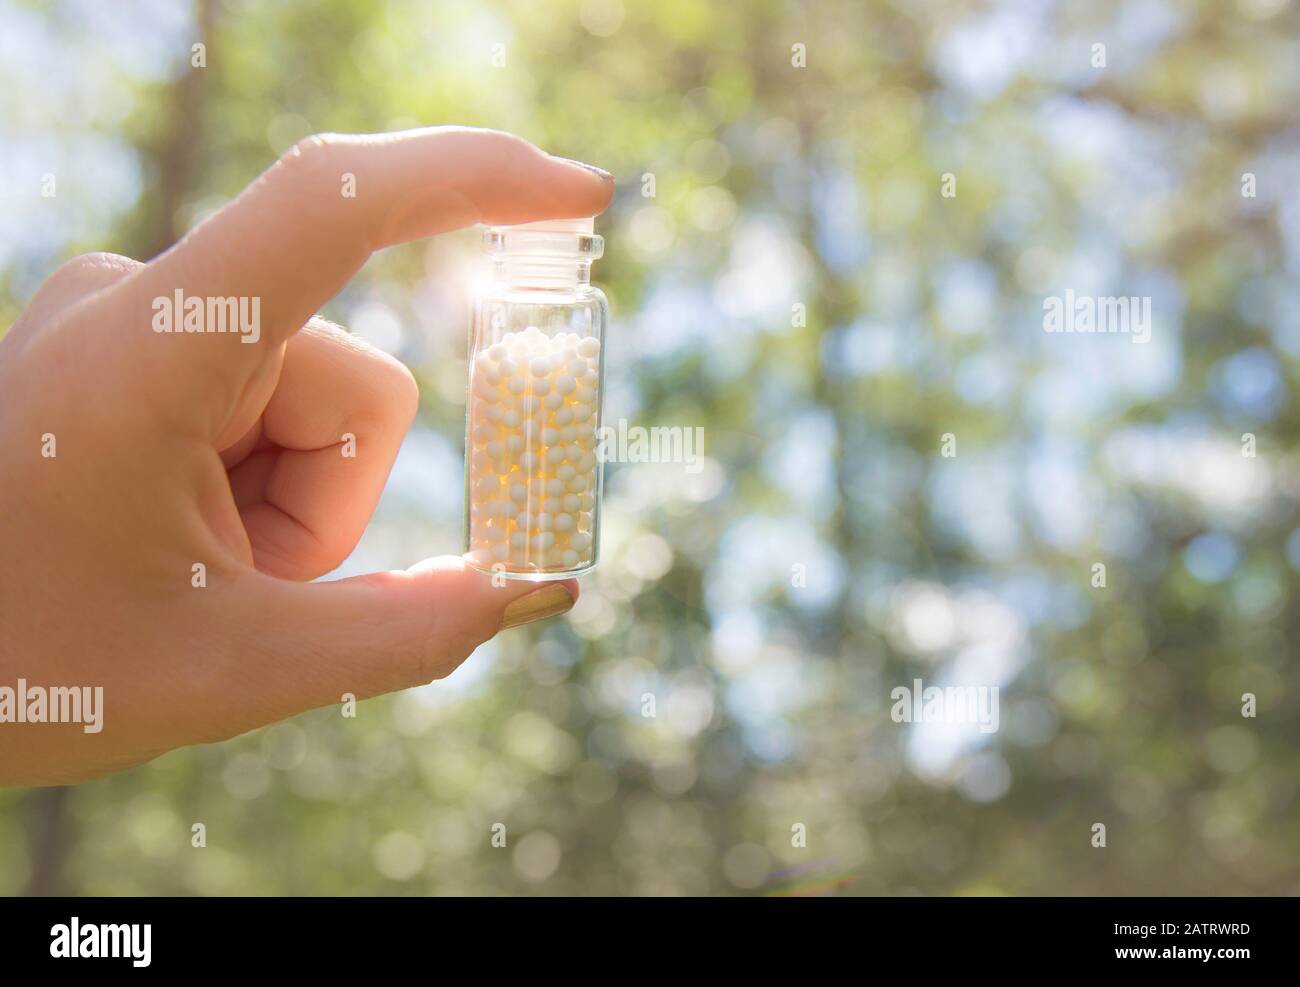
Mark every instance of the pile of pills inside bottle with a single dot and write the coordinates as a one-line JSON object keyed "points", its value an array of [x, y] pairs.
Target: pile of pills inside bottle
{"points": [[532, 451]]}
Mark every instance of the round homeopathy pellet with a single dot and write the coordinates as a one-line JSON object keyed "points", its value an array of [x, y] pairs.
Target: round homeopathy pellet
{"points": [[510, 419], [589, 347], [554, 400], [519, 540], [565, 384], [543, 540], [565, 472], [555, 487], [555, 455], [580, 541], [569, 558], [572, 502], [550, 436], [563, 416], [564, 523], [518, 492], [514, 442]]}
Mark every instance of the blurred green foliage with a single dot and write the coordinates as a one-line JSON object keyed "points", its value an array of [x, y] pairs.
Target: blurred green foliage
{"points": [[827, 552]]}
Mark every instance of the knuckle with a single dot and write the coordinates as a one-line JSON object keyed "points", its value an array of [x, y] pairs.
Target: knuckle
{"points": [[92, 265], [310, 158]]}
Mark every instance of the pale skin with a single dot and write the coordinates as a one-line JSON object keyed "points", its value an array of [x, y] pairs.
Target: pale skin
{"points": [[179, 449]]}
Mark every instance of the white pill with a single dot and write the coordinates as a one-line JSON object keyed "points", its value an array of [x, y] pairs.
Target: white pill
{"points": [[496, 533], [550, 436], [573, 452], [572, 502], [541, 386], [497, 352], [537, 486], [589, 347], [543, 541], [515, 385], [568, 434], [578, 484], [488, 486], [514, 442], [528, 459], [544, 522], [510, 419], [529, 405], [540, 366], [506, 368], [587, 395], [565, 472], [520, 540], [531, 331], [580, 540], [568, 558], [588, 501], [496, 448], [565, 384], [555, 487], [509, 338], [482, 432], [563, 416], [577, 368], [493, 413], [555, 455], [524, 519], [581, 412], [518, 491], [564, 522], [554, 400], [586, 463]]}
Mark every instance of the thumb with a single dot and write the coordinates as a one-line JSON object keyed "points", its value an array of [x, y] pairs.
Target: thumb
{"points": [[309, 644]]}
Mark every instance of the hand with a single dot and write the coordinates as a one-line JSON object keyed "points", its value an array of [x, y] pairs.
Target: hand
{"points": [[131, 456]]}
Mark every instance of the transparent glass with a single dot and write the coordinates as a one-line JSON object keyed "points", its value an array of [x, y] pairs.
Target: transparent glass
{"points": [[536, 374]]}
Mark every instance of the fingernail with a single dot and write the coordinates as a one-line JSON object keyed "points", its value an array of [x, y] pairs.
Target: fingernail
{"points": [[604, 175], [537, 605]]}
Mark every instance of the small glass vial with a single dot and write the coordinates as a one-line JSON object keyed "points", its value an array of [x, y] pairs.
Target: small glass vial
{"points": [[532, 420]]}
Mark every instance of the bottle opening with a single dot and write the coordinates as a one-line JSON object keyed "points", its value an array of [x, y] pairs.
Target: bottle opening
{"points": [[553, 253]]}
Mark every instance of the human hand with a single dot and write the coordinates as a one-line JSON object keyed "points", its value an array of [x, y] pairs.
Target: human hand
{"points": [[177, 449]]}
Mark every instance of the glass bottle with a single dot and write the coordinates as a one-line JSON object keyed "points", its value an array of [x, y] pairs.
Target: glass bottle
{"points": [[532, 420]]}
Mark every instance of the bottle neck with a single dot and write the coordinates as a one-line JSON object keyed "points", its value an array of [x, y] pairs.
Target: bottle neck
{"points": [[547, 260], [542, 271]]}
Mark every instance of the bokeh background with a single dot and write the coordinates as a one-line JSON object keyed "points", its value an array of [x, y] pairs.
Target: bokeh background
{"points": [[826, 552]]}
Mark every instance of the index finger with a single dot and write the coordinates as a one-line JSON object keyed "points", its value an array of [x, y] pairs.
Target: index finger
{"points": [[293, 238]]}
